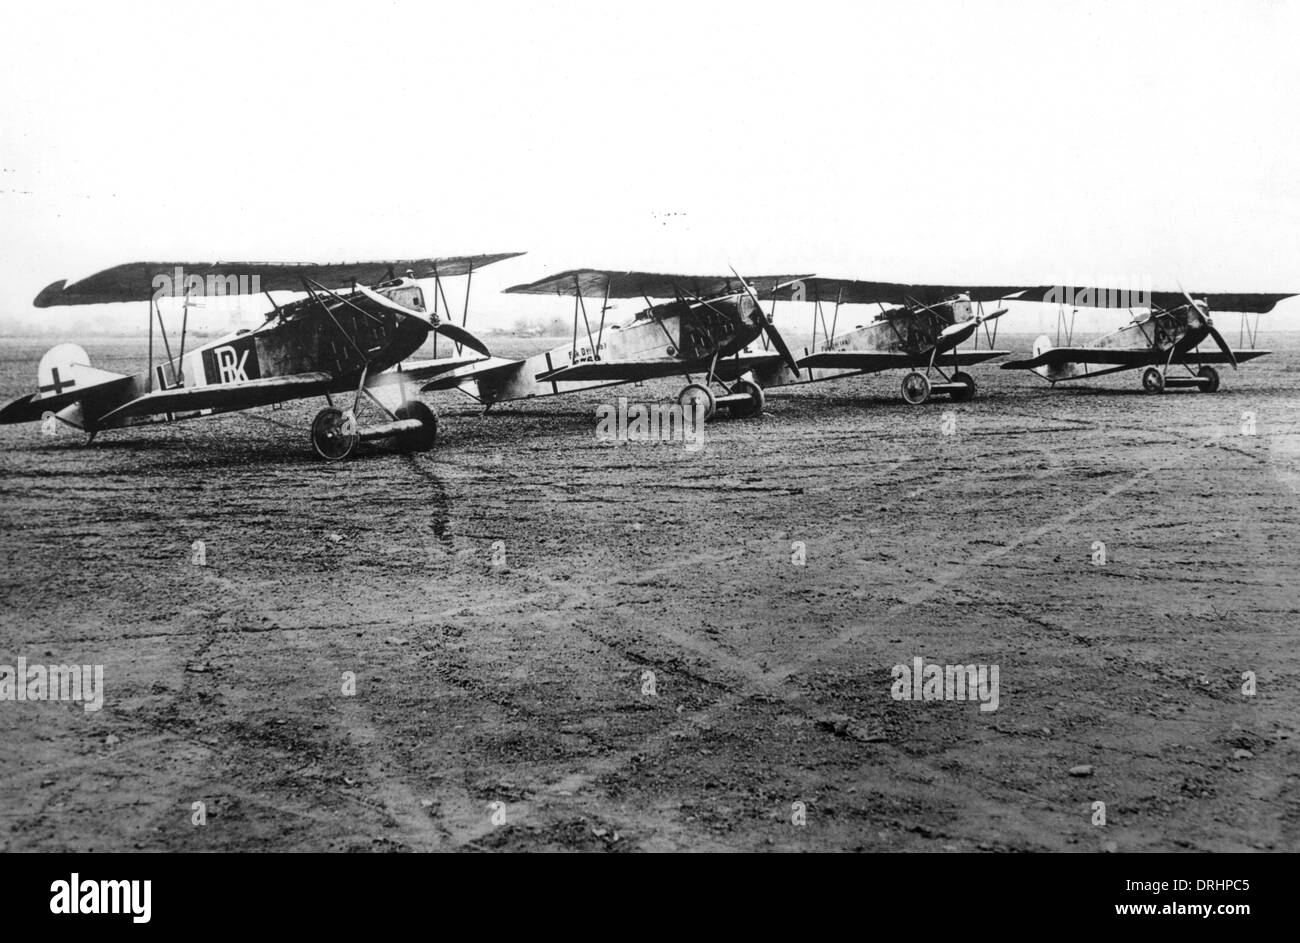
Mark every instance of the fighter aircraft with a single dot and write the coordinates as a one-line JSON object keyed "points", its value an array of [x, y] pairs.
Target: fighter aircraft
{"points": [[702, 334], [1169, 333], [920, 333], [341, 337]]}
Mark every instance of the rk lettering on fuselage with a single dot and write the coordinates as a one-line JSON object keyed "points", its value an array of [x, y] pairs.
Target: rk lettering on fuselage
{"points": [[235, 362]]}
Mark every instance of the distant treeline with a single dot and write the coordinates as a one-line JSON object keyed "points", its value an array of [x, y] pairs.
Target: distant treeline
{"points": [[540, 327]]}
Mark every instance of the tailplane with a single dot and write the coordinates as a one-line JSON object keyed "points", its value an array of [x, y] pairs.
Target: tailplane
{"points": [[63, 378]]}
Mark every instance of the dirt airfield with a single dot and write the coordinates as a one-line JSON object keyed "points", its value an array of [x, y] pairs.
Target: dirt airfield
{"points": [[560, 644]]}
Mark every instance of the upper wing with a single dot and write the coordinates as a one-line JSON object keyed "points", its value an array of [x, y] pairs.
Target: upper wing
{"points": [[597, 283], [853, 292], [1243, 302], [140, 281], [225, 396]]}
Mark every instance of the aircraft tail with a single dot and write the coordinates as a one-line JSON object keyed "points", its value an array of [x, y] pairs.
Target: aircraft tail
{"points": [[1041, 345], [64, 378]]}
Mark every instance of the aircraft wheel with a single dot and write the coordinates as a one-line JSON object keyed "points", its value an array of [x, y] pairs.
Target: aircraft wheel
{"points": [[699, 396], [756, 400], [424, 438], [1213, 376], [1153, 381], [334, 434], [966, 395], [916, 388]]}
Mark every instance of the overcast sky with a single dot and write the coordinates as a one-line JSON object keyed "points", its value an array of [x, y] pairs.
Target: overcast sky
{"points": [[953, 142]]}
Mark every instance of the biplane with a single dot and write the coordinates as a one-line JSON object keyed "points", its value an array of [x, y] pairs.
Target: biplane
{"points": [[339, 338], [919, 328], [1167, 336], [701, 330]]}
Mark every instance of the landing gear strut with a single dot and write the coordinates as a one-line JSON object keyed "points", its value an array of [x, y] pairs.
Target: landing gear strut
{"points": [[700, 397], [334, 434], [918, 388], [743, 398], [753, 401], [963, 395], [422, 439], [1204, 380]]}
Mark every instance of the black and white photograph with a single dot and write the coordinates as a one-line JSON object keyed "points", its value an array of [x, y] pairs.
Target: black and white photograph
{"points": [[668, 428]]}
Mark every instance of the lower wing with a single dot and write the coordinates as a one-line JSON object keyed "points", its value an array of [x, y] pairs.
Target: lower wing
{"points": [[1217, 356], [225, 396], [650, 369], [1124, 357], [479, 369], [422, 371], [875, 361], [1116, 356]]}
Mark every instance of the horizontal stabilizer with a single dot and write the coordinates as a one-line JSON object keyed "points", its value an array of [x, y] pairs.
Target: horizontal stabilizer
{"points": [[64, 376]]}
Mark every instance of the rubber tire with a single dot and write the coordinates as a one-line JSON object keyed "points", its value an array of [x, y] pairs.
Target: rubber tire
{"points": [[426, 437], [966, 395], [1213, 374], [693, 392], [921, 393], [1153, 381], [329, 443], [756, 400]]}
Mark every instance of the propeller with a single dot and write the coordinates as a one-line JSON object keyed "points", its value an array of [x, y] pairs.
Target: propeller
{"points": [[461, 336], [1212, 330], [965, 329], [454, 333], [768, 327]]}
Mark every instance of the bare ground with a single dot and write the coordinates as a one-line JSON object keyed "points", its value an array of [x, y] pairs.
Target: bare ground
{"points": [[522, 684]]}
